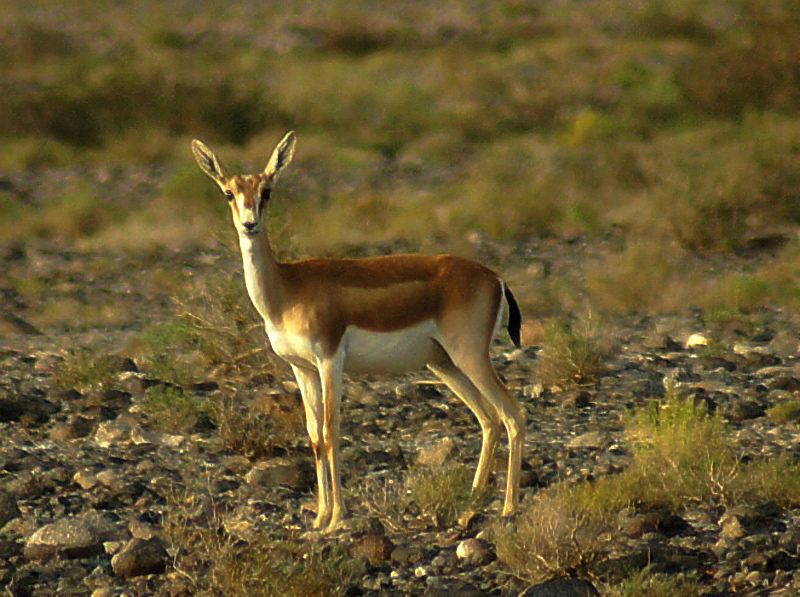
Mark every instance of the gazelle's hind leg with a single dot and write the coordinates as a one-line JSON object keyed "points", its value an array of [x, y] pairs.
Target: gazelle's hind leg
{"points": [[486, 414], [477, 367]]}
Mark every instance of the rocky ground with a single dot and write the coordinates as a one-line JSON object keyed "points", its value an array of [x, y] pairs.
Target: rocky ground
{"points": [[89, 486]]}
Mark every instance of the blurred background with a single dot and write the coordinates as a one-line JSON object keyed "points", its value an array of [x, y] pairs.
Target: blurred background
{"points": [[651, 146]]}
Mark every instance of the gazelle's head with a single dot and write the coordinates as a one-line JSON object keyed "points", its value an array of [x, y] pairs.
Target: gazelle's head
{"points": [[247, 194]]}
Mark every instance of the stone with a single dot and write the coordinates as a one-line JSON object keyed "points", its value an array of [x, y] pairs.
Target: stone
{"points": [[74, 537], [562, 587], [576, 399], [744, 410], [477, 552], [111, 479], [85, 479], [406, 555], [11, 410], [281, 471], [731, 528], [590, 440], [695, 340], [377, 549], [785, 343], [110, 433], [8, 508], [76, 427], [658, 521], [453, 588], [142, 529], [438, 453], [140, 557]]}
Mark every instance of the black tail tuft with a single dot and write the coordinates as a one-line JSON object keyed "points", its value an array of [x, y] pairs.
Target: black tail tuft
{"points": [[514, 317]]}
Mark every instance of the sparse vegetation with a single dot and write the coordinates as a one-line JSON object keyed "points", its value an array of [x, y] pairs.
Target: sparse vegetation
{"points": [[555, 534], [681, 455], [441, 493], [172, 409], [645, 583], [212, 562], [252, 434], [83, 370], [662, 137], [213, 335], [573, 352], [786, 411], [511, 121]]}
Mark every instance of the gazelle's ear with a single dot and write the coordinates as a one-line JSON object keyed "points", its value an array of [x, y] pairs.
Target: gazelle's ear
{"points": [[209, 163], [280, 157]]}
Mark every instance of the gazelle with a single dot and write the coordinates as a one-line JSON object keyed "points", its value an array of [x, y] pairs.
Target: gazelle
{"points": [[382, 315]]}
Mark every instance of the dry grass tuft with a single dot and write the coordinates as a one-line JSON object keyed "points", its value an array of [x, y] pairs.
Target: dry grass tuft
{"points": [[210, 561], [441, 493], [573, 352], [255, 435], [554, 535]]}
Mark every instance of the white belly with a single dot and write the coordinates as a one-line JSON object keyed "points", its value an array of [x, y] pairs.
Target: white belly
{"points": [[389, 352]]}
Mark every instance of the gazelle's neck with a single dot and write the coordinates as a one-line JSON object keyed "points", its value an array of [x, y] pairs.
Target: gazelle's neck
{"points": [[261, 274]]}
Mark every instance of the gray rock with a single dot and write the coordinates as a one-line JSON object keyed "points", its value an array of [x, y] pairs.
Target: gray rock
{"points": [[281, 471], [141, 556], [406, 555], [453, 588], [588, 440], [562, 587], [477, 552], [438, 453], [8, 508], [743, 410], [658, 521], [77, 426], [76, 537], [377, 549], [114, 432]]}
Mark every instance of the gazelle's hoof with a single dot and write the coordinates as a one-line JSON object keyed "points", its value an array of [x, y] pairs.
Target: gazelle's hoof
{"points": [[334, 526]]}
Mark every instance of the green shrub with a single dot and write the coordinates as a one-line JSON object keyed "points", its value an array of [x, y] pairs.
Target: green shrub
{"points": [[441, 493], [645, 583], [83, 369], [572, 352], [172, 409]]}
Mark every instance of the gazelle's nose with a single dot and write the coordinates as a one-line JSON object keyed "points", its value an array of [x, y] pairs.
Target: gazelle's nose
{"points": [[249, 226]]}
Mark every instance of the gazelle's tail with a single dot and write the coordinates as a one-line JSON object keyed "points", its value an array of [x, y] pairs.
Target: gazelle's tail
{"points": [[514, 316]]}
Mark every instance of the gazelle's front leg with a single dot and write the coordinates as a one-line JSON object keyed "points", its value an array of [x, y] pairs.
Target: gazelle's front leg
{"points": [[330, 375], [311, 389]]}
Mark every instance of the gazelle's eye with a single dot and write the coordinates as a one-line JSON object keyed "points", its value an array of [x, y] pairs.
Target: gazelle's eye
{"points": [[229, 195], [264, 195]]}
